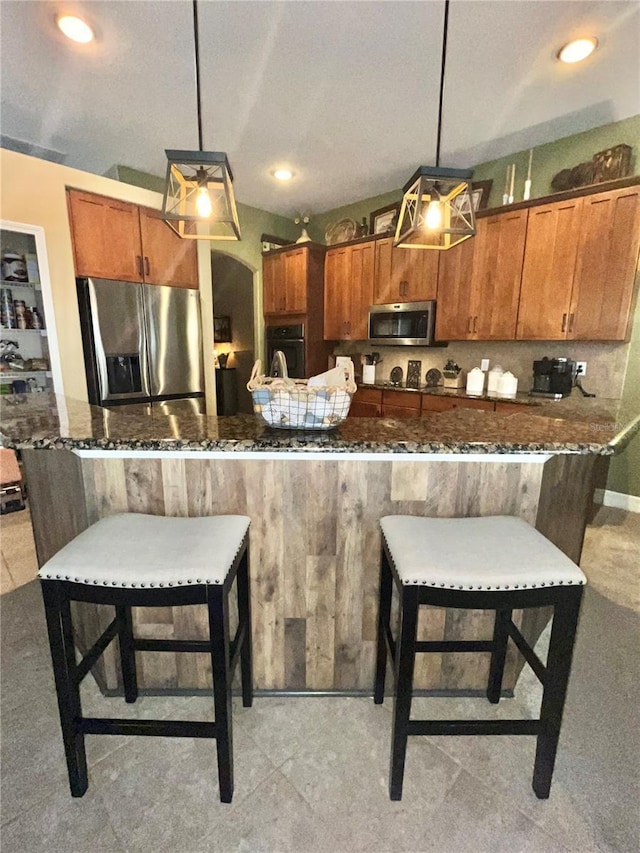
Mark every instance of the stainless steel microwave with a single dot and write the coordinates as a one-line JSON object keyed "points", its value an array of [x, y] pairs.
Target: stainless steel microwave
{"points": [[403, 324]]}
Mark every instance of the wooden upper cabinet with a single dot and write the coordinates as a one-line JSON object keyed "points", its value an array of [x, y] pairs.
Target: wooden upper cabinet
{"points": [[348, 292], [118, 240], [548, 272], [285, 281], [167, 258], [497, 271], [295, 281], [272, 276], [337, 296], [106, 237], [454, 318], [606, 266], [404, 275]]}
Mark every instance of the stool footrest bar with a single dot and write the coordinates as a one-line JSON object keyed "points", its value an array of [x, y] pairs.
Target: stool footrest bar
{"points": [[172, 645], [473, 727], [527, 652], [454, 646], [154, 728], [96, 650]]}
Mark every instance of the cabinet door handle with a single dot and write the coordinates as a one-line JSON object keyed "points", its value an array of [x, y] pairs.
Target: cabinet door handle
{"points": [[564, 322], [147, 266], [571, 316], [475, 319], [139, 262]]}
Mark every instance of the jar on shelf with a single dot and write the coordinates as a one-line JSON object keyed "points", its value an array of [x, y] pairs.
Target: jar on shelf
{"points": [[34, 319], [14, 267], [7, 314], [20, 311]]}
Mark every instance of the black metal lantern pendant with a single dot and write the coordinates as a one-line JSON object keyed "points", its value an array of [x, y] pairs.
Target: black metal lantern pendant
{"points": [[198, 202], [437, 206]]}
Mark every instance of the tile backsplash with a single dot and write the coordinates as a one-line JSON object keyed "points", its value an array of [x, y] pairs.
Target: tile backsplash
{"points": [[606, 362]]}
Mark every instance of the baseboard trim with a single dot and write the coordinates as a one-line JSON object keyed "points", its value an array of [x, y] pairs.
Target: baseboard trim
{"points": [[617, 499]]}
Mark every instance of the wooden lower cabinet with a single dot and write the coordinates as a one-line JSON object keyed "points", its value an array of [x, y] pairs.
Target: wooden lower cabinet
{"points": [[512, 408], [433, 403], [348, 292], [366, 403]]}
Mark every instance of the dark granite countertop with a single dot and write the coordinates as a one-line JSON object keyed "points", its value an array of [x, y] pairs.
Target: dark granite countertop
{"points": [[568, 426]]}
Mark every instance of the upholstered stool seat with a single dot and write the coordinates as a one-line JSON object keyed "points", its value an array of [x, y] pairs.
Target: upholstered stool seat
{"points": [[134, 560], [497, 563]]}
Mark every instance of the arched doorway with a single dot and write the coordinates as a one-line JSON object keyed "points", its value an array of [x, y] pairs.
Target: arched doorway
{"points": [[233, 298]]}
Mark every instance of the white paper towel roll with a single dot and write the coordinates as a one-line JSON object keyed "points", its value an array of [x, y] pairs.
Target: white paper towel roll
{"points": [[368, 374]]}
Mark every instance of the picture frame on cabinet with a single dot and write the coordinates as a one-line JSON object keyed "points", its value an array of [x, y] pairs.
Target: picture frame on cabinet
{"points": [[480, 191], [222, 330], [383, 220]]}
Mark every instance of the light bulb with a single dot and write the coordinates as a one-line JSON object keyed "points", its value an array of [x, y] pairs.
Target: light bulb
{"points": [[204, 207], [577, 50], [433, 219], [75, 28]]}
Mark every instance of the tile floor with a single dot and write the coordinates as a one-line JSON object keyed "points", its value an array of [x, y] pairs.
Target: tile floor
{"points": [[311, 773]]}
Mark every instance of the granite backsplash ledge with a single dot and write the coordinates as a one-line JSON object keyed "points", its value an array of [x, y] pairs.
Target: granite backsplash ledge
{"points": [[606, 362]]}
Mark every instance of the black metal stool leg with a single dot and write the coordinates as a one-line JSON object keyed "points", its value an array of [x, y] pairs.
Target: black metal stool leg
{"points": [[127, 653], [218, 604], [58, 614], [405, 658], [244, 608], [384, 616], [563, 631], [498, 655]]}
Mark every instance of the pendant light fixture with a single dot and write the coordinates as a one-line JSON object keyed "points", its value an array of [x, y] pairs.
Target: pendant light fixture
{"points": [[437, 206], [198, 202]]}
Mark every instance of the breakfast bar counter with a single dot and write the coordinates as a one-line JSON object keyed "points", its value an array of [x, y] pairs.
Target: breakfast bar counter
{"points": [[315, 500]]}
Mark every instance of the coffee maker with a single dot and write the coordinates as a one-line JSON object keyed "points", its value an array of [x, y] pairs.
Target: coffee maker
{"points": [[553, 377]]}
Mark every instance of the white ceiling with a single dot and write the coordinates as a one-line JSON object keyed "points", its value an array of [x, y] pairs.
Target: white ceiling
{"points": [[344, 92]]}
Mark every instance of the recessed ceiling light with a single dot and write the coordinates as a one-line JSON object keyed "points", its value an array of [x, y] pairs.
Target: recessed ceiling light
{"points": [[75, 28], [283, 174], [578, 49]]}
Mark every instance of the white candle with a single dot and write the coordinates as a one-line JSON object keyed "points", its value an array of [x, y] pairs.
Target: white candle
{"points": [[527, 184], [530, 162], [513, 180]]}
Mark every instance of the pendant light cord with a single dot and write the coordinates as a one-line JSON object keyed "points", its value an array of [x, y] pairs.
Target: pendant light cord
{"points": [[442, 66], [196, 41]]}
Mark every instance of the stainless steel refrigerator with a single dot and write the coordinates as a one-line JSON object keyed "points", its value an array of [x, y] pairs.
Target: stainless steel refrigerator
{"points": [[142, 344]]}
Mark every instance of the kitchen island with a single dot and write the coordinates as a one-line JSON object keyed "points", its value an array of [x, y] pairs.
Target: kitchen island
{"points": [[314, 500]]}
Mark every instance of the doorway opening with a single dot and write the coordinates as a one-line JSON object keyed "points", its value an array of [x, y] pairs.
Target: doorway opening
{"points": [[233, 331]]}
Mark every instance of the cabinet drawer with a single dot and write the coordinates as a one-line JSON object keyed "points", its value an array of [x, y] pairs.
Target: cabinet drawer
{"points": [[364, 410], [389, 411], [431, 403], [510, 408], [367, 395], [405, 399]]}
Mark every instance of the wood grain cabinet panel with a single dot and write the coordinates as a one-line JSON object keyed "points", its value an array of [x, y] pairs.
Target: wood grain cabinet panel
{"points": [[122, 241], [548, 271], [285, 281], [454, 318], [607, 262], [497, 271], [348, 292], [404, 275], [168, 259], [106, 237]]}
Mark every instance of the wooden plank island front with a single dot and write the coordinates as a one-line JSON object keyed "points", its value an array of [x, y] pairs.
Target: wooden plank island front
{"points": [[315, 504]]}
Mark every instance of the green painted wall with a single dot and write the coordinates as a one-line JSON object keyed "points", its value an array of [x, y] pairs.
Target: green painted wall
{"points": [[624, 471], [548, 160], [564, 153]]}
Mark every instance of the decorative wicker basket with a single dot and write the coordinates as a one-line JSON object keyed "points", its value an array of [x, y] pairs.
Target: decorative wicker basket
{"points": [[286, 403]]}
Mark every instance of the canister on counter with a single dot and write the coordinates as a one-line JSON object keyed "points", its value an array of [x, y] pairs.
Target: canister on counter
{"points": [[7, 314]]}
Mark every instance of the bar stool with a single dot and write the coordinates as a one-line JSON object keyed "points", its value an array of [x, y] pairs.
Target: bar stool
{"points": [[135, 560], [496, 563]]}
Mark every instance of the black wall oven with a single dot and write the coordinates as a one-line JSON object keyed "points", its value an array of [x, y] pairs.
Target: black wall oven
{"points": [[290, 341]]}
